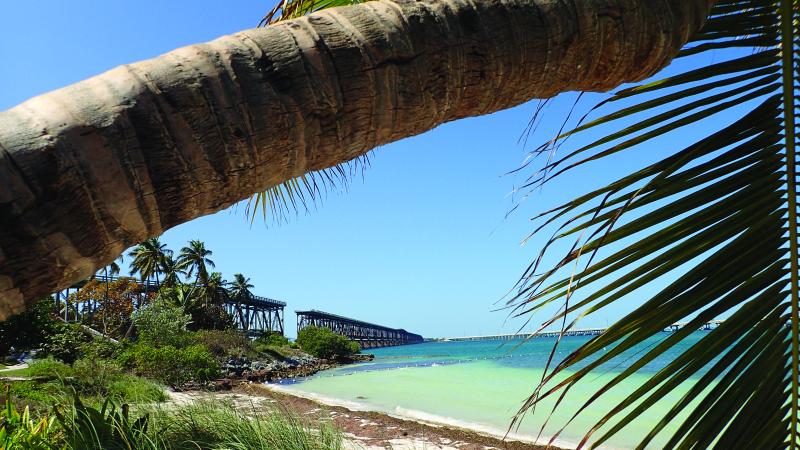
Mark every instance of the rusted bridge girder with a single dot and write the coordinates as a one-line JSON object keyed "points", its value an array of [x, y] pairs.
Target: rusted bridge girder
{"points": [[368, 335]]}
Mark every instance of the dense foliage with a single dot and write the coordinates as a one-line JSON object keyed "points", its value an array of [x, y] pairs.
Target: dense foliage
{"points": [[324, 343], [273, 340], [222, 343], [89, 378], [66, 343], [161, 323], [130, 342], [170, 365], [27, 331]]}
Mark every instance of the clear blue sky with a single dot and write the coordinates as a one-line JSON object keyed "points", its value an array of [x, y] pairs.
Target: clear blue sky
{"points": [[421, 243]]}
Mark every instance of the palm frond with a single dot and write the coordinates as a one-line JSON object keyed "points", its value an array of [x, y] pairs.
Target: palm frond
{"points": [[712, 226], [291, 9], [304, 192]]}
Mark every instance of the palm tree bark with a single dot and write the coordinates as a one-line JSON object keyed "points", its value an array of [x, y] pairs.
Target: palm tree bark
{"points": [[91, 169]]}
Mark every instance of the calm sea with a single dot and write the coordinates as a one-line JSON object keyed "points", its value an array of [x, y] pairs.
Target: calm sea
{"points": [[482, 384]]}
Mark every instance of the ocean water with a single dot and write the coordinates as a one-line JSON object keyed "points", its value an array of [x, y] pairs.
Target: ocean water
{"points": [[481, 385]]}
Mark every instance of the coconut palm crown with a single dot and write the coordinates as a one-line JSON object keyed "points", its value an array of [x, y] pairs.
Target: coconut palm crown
{"points": [[195, 258], [239, 288], [148, 257], [171, 271]]}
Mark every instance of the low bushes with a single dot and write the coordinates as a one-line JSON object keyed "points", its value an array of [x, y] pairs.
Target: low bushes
{"points": [[324, 343], [90, 379], [132, 389], [162, 323], [66, 343], [222, 343], [272, 339], [170, 365], [49, 368]]}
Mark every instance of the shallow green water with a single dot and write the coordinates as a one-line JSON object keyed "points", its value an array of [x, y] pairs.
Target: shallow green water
{"points": [[482, 385]]}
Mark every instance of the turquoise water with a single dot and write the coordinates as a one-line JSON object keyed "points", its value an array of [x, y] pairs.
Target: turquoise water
{"points": [[482, 384]]}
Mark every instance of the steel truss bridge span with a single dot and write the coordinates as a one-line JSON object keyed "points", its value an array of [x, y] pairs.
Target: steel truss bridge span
{"points": [[367, 335]]}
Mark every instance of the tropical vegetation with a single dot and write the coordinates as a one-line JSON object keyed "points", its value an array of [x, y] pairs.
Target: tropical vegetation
{"points": [[86, 390], [114, 426], [711, 226], [324, 343], [111, 304]]}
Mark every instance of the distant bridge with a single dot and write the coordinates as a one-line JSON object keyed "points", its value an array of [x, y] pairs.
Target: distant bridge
{"points": [[551, 334], [368, 335], [254, 315]]}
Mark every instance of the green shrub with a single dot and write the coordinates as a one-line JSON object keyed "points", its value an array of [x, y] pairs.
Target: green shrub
{"points": [[324, 343], [91, 379], [101, 348], [171, 366], [49, 368], [222, 343], [271, 339], [30, 329], [66, 343], [270, 343], [93, 376], [162, 323]]}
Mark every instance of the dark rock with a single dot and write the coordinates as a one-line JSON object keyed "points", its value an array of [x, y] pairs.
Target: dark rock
{"points": [[241, 368]]}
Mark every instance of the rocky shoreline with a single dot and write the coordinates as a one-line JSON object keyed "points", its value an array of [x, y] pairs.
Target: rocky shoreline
{"points": [[297, 366]]}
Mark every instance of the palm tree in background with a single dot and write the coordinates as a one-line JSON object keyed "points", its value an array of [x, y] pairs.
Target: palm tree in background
{"points": [[209, 311], [196, 258], [112, 269], [182, 295], [240, 291], [213, 291], [171, 270], [239, 288], [147, 259]]}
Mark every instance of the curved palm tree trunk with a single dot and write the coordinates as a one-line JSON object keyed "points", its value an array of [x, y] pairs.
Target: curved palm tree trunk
{"points": [[91, 169]]}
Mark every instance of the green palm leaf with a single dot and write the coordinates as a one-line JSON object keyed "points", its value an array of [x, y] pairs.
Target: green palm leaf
{"points": [[714, 222]]}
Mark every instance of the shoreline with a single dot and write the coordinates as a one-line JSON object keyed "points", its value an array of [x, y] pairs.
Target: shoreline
{"points": [[371, 430]]}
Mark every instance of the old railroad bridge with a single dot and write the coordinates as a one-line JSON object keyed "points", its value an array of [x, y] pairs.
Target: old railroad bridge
{"points": [[253, 315], [368, 335]]}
